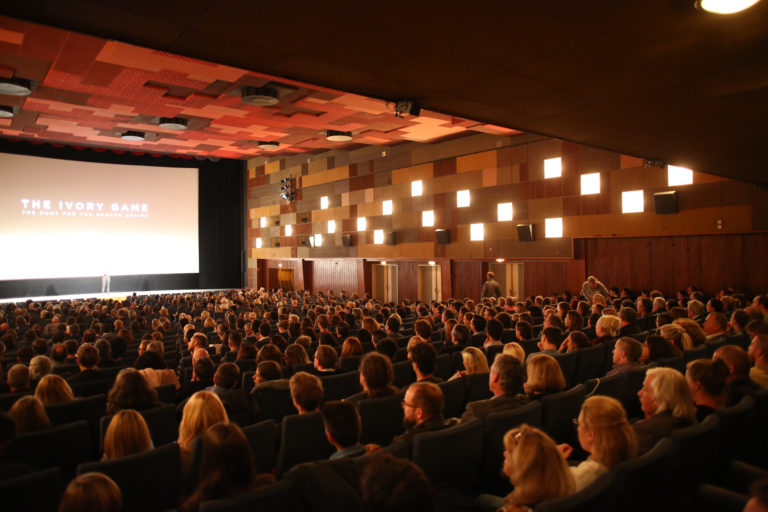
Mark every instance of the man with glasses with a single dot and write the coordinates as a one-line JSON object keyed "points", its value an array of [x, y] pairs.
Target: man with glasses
{"points": [[423, 411]]}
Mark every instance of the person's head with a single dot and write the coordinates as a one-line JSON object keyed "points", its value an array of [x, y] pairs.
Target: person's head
{"points": [[87, 356], [494, 329], [391, 484], [715, 323], [707, 378], [227, 376], [523, 330], [506, 375], [676, 335], [376, 372], [627, 350], [550, 338], [535, 467], [665, 389], [39, 367], [270, 352], [423, 401], [342, 423], [130, 391], [91, 492], [604, 431], [544, 375], [18, 378], [460, 335], [576, 340], [736, 359], [127, 434], [351, 347], [474, 360], [424, 358], [53, 389], [326, 357], [627, 315], [573, 321], [758, 349], [608, 326], [306, 392], [203, 370], [28, 413], [657, 347], [266, 371], [202, 410], [515, 350]]}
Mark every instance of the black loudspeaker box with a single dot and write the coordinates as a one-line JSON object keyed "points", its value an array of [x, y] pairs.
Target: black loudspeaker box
{"points": [[525, 233], [443, 236], [390, 238], [346, 240], [665, 202]]}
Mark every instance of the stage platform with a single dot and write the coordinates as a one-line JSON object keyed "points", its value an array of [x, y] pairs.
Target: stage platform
{"points": [[116, 295]]}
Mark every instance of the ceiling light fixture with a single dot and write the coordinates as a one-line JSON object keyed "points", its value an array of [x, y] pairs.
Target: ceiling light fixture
{"points": [[338, 136], [7, 111], [15, 86], [173, 123], [260, 96], [725, 6], [133, 135], [268, 145]]}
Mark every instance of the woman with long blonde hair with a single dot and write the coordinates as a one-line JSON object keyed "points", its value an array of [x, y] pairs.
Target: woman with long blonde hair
{"points": [[127, 434], [202, 410], [53, 389]]}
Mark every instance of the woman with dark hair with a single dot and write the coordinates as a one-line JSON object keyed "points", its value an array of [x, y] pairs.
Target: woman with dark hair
{"points": [[153, 368], [131, 391], [376, 375], [657, 347], [706, 378], [227, 466]]}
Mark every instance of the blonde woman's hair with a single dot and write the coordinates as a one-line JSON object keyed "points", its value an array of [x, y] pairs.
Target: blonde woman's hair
{"points": [[615, 439], [202, 410], [535, 467], [53, 389], [598, 298], [609, 324], [515, 350], [544, 374], [474, 360], [29, 415], [671, 392], [677, 335], [91, 492], [127, 434]]}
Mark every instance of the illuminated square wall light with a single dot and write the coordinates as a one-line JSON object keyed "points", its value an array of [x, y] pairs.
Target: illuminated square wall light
{"points": [[258, 243], [553, 228], [288, 230], [331, 226], [263, 222], [362, 224], [505, 211], [632, 201], [553, 167], [476, 232], [378, 236], [417, 187], [678, 176], [386, 207], [462, 198], [428, 218], [324, 203], [318, 240], [590, 183]]}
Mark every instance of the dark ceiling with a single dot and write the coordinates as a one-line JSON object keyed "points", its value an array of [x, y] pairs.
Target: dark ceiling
{"points": [[651, 78]]}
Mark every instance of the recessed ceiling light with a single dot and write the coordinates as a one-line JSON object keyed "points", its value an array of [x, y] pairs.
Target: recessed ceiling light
{"points": [[15, 86], [7, 111], [725, 6], [260, 96], [133, 135], [173, 123], [268, 145], [338, 136]]}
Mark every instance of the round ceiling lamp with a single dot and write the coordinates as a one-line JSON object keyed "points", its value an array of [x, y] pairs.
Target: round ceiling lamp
{"points": [[6, 111], [338, 136], [173, 123], [725, 6], [133, 135], [268, 145], [260, 96], [15, 86]]}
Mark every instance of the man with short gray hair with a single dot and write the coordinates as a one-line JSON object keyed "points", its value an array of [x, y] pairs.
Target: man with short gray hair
{"points": [[505, 381]]}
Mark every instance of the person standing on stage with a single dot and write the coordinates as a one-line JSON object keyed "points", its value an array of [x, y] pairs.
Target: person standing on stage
{"points": [[105, 283], [491, 287]]}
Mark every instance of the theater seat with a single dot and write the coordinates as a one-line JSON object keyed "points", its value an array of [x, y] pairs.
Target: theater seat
{"points": [[700, 352], [149, 481], [590, 364], [35, 492], [676, 362], [274, 404], [381, 419], [453, 397], [63, 447], [645, 482], [477, 387], [336, 387], [716, 499], [560, 409], [612, 386], [568, 362], [166, 393], [736, 429], [696, 448], [161, 422], [599, 496], [451, 456], [302, 440], [261, 437], [403, 374], [445, 368], [283, 495]]}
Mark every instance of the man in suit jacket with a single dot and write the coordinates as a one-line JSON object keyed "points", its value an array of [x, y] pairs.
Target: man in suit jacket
{"points": [[505, 381]]}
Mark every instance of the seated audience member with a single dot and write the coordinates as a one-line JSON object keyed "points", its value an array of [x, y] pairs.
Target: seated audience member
{"points": [[202, 410], [738, 383], [18, 378], [515, 350], [656, 347], [550, 339], [423, 357], [535, 468], [127, 434], [225, 382], [342, 428], [227, 467], [758, 354], [667, 404], [234, 342], [104, 349], [306, 392], [715, 325], [375, 377], [606, 329], [269, 352], [544, 376], [677, 335], [573, 322], [246, 352], [494, 330], [628, 322], [390, 484], [523, 330], [474, 361], [605, 434], [10, 469], [325, 360], [423, 411], [575, 341], [202, 378], [91, 492], [694, 330], [295, 355], [387, 347], [707, 380], [130, 391], [267, 371], [28, 413], [62, 365], [39, 367], [87, 359], [460, 338], [53, 389], [626, 355], [351, 347], [505, 380], [154, 369]]}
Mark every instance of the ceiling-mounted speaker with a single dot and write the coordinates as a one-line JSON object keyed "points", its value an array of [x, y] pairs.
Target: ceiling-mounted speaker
{"points": [[390, 238], [260, 96], [665, 202], [346, 240], [525, 233], [443, 236]]}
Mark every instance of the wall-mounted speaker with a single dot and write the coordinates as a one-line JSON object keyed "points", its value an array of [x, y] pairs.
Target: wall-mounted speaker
{"points": [[443, 236], [665, 202], [277, 244], [346, 240], [390, 238], [525, 233]]}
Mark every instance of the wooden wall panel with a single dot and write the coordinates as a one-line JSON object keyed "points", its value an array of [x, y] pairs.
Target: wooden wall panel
{"points": [[545, 277], [334, 274], [467, 277]]}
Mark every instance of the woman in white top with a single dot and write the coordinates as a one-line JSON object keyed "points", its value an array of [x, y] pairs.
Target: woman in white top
{"points": [[605, 434]]}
